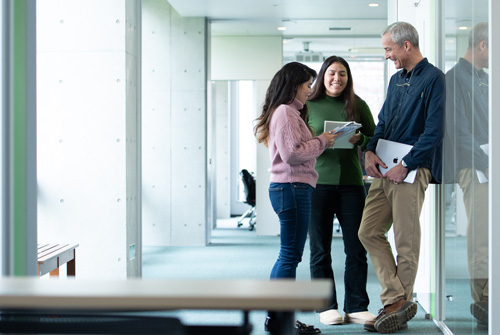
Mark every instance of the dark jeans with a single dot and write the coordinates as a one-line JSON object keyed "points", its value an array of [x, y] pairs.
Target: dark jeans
{"points": [[347, 202], [292, 203]]}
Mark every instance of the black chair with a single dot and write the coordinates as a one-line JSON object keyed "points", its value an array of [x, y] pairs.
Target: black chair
{"points": [[249, 190]]}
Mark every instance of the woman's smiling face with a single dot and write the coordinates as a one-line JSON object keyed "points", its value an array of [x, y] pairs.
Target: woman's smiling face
{"points": [[336, 79]]}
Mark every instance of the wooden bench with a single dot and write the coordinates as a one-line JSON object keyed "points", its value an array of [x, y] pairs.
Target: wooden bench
{"points": [[52, 256], [28, 296]]}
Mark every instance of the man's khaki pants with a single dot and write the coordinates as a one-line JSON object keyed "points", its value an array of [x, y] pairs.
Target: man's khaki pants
{"points": [[398, 205], [476, 207]]}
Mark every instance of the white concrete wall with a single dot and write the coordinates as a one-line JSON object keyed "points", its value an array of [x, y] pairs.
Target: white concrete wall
{"points": [[87, 132], [173, 127], [422, 18], [156, 120], [246, 57]]}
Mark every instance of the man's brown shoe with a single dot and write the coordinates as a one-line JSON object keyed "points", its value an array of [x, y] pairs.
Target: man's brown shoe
{"points": [[370, 325], [394, 317], [479, 310]]}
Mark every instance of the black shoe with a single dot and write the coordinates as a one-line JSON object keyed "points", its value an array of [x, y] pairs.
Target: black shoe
{"points": [[269, 326], [302, 328]]}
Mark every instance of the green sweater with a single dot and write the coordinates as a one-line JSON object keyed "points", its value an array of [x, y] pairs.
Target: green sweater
{"points": [[339, 166]]}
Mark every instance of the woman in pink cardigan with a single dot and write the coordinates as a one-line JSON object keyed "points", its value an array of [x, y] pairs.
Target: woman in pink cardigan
{"points": [[293, 151]]}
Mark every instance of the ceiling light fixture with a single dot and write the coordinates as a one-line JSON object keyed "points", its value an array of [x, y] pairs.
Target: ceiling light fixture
{"points": [[281, 28], [339, 28], [373, 5], [462, 28]]}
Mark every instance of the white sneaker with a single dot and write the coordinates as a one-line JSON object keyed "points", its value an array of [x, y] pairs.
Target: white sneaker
{"points": [[330, 317], [359, 317]]}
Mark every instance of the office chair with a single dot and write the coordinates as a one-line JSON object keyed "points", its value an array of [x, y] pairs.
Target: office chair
{"points": [[249, 190]]}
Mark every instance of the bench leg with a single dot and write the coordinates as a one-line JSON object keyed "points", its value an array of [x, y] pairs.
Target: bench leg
{"points": [[71, 268], [285, 322]]}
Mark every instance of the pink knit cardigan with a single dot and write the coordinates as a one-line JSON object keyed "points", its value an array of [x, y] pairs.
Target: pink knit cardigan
{"points": [[292, 148]]}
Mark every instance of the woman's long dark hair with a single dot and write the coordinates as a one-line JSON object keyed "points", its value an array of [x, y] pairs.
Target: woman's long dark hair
{"points": [[319, 89], [282, 90]]}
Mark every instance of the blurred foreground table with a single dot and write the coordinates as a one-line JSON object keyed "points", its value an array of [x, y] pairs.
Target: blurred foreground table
{"points": [[79, 304]]}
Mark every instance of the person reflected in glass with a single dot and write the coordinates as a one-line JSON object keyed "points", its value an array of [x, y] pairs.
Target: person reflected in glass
{"points": [[413, 114], [340, 191], [293, 151], [467, 157]]}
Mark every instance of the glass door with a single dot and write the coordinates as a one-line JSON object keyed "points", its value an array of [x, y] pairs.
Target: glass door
{"points": [[465, 167]]}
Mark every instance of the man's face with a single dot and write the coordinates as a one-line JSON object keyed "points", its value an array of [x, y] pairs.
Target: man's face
{"points": [[394, 52], [483, 54]]}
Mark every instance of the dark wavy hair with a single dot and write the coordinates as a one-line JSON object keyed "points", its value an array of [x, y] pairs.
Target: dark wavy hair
{"points": [[282, 90], [319, 89]]}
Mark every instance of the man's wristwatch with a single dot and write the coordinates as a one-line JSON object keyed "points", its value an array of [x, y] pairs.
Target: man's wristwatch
{"points": [[404, 164]]}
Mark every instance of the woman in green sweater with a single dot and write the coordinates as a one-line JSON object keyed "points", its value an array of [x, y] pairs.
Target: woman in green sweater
{"points": [[340, 190]]}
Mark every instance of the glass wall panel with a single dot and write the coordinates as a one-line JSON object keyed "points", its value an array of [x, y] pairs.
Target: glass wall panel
{"points": [[465, 166], [234, 110]]}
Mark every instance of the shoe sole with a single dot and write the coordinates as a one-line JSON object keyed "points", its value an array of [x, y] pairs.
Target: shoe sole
{"points": [[348, 319], [396, 321], [339, 322], [371, 327], [479, 312]]}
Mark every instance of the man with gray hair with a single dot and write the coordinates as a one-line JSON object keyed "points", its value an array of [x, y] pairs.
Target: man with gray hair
{"points": [[466, 136], [412, 114]]}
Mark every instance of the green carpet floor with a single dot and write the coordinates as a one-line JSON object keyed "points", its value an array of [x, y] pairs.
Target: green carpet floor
{"points": [[239, 253]]}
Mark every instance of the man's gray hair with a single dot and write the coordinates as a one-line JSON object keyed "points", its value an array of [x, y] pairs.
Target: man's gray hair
{"points": [[478, 33], [401, 32]]}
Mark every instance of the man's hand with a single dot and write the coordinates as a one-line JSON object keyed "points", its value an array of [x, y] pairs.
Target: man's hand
{"points": [[372, 162], [397, 174]]}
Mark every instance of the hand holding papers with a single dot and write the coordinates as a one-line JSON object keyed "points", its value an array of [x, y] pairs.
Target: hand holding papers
{"points": [[349, 129]]}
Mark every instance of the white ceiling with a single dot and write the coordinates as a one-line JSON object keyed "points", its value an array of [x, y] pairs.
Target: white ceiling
{"points": [[306, 21], [310, 21]]}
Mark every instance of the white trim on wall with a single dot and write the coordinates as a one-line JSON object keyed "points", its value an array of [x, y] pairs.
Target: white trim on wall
{"points": [[494, 194]]}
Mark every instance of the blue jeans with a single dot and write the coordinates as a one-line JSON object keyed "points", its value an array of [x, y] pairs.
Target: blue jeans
{"points": [[347, 202], [292, 203]]}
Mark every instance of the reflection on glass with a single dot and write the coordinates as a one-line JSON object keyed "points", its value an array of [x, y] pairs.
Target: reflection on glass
{"points": [[466, 161]]}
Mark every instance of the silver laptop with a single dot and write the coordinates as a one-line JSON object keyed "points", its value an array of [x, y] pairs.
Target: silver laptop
{"points": [[391, 153], [342, 142]]}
